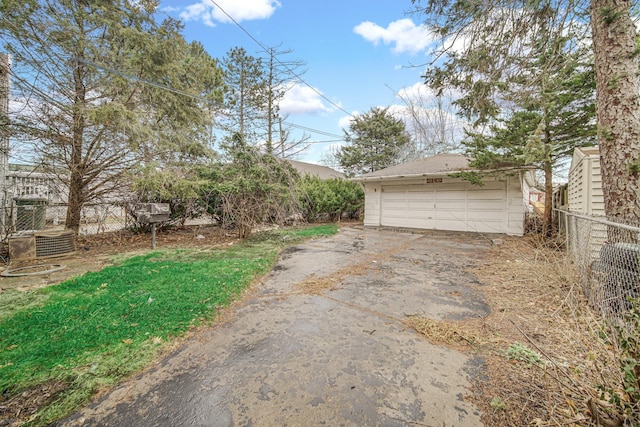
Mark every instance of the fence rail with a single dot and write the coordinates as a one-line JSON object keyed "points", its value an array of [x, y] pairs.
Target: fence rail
{"points": [[606, 254], [39, 215]]}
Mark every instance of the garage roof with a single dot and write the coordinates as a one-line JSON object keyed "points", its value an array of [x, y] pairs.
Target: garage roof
{"points": [[322, 172], [439, 164]]}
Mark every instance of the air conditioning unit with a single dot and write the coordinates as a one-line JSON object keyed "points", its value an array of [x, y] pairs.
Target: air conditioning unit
{"points": [[27, 245]]}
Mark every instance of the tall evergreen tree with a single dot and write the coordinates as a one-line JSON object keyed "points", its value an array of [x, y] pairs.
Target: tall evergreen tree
{"points": [[246, 97], [376, 140], [86, 121], [549, 116], [618, 106], [492, 34]]}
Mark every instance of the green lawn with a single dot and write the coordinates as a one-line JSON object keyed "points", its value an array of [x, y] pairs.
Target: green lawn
{"points": [[91, 331]]}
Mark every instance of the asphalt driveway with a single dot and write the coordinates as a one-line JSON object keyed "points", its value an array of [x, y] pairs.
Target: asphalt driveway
{"points": [[322, 341]]}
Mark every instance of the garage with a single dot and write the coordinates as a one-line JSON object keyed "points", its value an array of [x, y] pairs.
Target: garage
{"points": [[429, 194]]}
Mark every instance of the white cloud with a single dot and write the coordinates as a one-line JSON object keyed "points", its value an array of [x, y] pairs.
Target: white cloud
{"points": [[169, 9], [416, 92], [240, 10], [302, 99], [403, 34], [345, 121], [422, 95]]}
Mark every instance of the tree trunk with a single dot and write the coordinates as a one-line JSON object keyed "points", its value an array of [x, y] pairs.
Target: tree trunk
{"points": [[75, 202], [270, 106], [617, 106], [547, 224], [76, 184]]}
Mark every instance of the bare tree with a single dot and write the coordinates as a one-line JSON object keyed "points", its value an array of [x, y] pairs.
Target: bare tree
{"points": [[431, 120], [280, 75]]}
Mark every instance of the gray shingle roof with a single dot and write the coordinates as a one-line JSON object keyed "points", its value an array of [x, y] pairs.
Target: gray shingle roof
{"points": [[435, 165], [322, 172]]}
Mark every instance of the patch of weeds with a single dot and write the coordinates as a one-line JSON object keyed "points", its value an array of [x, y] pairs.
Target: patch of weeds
{"points": [[624, 399], [446, 332], [316, 231], [498, 404], [522, 353]]}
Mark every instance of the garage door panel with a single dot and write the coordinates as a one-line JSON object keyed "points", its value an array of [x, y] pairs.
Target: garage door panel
{"points": [[451, 224], [450, 195], [420, 213], [395, 204], [421, 223], [458, 206], [420, 204], [488, 185], [486, 195], [451, 205], [488, 215], [483, 205], [422, 197], [452, 186]]}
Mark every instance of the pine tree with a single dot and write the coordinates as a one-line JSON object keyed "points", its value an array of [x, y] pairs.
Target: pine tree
{"points": [[376, 140]]}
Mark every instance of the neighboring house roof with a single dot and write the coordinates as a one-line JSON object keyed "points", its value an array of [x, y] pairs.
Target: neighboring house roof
{"points": [[439, 164], [322, 172]]}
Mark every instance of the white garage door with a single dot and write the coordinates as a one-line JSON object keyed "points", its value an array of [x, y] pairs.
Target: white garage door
{"points": [[458, 206]]}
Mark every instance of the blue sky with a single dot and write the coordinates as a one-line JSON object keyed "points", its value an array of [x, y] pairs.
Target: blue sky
{"points": [[357, 52]]}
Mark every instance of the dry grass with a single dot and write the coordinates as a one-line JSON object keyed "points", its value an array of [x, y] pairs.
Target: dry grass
{"points": [[535, 301], [313, 284]]}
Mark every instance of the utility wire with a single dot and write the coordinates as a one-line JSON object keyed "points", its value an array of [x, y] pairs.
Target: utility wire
{"points": [[197, 97], [138, 79], [265, 48], [331, 135]]}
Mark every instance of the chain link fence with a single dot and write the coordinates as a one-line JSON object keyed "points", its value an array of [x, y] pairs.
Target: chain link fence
{"points": [[606, 254], [38, 215]]}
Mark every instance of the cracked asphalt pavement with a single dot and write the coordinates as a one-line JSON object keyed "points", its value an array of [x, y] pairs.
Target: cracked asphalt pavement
{"points": [[295, 354]]}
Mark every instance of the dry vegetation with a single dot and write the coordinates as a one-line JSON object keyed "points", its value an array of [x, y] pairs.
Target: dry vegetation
{"points": [[543, 348]]}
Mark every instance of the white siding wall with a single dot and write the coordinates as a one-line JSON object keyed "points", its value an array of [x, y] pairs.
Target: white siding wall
{"points": [[447, 204], [517, 204], [585, 184], [372, 194]]}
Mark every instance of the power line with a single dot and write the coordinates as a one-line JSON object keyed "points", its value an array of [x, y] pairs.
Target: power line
{"points": [[138, 79], [197, 97], [331, 135], [265, 48]]}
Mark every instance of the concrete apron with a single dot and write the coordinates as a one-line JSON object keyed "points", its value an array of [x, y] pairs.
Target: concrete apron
{"points": [[339, 357]]}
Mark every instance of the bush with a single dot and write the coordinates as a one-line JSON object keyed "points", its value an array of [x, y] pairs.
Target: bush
{"points": [[180, 187], [253, 188], [329, 199]]}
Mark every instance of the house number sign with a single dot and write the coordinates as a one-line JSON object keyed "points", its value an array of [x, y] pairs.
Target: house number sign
{"points": [[434, 180]]}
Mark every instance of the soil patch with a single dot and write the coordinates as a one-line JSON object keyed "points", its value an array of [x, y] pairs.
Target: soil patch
{"points": [[21, 407]]}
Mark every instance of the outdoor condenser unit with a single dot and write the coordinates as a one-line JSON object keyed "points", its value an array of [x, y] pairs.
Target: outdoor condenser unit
{"points": [[27, 245]]}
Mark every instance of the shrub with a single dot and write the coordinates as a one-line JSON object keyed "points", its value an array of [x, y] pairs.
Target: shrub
{"points": [[329, 199]]}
